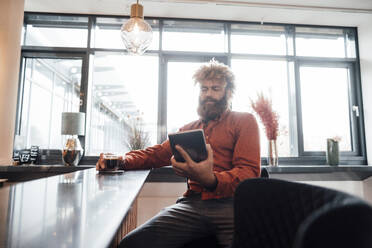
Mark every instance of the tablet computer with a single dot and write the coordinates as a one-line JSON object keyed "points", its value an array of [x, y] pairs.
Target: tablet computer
{"points": [[192, 141]]}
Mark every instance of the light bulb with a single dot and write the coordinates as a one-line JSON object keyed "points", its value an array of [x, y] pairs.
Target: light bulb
{"points": [[136, 33]]}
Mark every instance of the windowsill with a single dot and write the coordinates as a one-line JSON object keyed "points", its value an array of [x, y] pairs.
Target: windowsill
{"points": [[166, 174], [308, 168], [321, 172], [288, 172], [52, 157]]}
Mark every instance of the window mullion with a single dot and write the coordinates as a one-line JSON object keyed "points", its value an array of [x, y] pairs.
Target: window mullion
{"points": [[300, 137], [291, 79], [354, 119]]}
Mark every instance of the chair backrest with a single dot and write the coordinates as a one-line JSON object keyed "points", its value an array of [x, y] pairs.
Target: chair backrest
{"points": [[345, 226], [264, 173], [269, 212]]}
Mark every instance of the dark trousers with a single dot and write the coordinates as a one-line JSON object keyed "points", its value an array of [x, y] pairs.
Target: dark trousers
{"points": [[189, 219]]}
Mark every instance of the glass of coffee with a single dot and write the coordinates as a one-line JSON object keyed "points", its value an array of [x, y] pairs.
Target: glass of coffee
{"points": [[112, 161]]}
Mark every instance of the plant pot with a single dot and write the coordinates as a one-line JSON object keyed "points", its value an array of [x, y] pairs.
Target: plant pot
{"points": [[333, 152]]}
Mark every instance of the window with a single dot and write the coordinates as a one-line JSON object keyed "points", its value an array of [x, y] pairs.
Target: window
{"points": [[106, 33], [56, 31], [258, 39], [325, 42], [181, 89], [50, 87], [119, 85], [78, 63], [252, 78], [182, 92], [325, 106], [194, 36]]}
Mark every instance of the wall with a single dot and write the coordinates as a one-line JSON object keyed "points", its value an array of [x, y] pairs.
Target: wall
{"points": [[367, 189], [11, 19], [155, 196]]}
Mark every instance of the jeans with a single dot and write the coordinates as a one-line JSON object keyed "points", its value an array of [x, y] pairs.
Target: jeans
{"points": [[189, 219]]}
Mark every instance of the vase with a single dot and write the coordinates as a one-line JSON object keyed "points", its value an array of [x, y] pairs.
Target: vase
{"points": [[333, 152], [72, 151], [273, 158]]}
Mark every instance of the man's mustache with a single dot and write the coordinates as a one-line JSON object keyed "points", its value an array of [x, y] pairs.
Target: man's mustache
{"points": [[209, 99]]}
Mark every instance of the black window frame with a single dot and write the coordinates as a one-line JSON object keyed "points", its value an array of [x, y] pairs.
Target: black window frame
{"points": [[357, 157]]}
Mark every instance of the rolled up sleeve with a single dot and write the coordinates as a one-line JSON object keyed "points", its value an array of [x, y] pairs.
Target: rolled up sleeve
{"points": [[152, 157]]}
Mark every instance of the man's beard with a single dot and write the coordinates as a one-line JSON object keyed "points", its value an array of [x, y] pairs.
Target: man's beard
{"points": [[213, 111]]}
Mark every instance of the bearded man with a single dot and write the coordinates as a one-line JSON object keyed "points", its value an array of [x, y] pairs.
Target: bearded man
{"points": [[206, 208]]}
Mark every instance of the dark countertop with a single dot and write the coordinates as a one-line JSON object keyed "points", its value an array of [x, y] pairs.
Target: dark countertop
{"points": [[23, 173], [79, 209], [84, 209], [43, 168]]}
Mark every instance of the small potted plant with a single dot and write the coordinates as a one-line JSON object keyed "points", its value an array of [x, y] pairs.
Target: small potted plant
{"points": [[137, 138]]}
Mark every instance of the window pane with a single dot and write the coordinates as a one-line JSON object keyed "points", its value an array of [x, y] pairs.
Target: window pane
{"points": [[252, 77], [194, 36], [51, 86], [181, 90], [325, 107], [56, 31], [107, 33], [258, 39], [123, 89], [318, 42]]}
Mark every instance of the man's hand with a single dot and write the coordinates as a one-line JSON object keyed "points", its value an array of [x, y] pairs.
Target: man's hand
{"points": [[201, 172], [101, 163]]}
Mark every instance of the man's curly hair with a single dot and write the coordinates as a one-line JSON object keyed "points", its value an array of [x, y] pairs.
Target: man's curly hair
{"points": [[214, 70]]}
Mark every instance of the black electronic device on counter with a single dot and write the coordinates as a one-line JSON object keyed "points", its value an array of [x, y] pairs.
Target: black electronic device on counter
{"points": [[192, 141]]}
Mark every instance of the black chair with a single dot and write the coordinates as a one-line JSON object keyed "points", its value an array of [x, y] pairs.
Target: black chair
{"points": [[264, 173], [343, 226], [271, 213], [211, 241]]}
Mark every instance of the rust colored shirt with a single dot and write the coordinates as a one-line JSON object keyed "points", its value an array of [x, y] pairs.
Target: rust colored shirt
{"points": [[234, 138]]}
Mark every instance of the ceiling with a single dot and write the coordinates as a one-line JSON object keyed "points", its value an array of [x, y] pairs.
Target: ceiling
{"points": [[152, 7], [330, 12]]}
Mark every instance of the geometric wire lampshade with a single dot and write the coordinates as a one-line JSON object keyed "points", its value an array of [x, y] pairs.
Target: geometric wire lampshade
{"points": [[136, 33]]}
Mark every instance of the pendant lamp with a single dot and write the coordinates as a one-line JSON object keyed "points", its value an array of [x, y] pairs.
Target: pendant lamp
{"points": [[136, 33]]}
